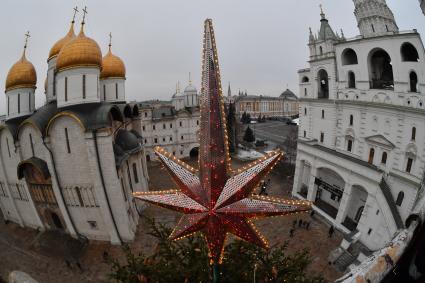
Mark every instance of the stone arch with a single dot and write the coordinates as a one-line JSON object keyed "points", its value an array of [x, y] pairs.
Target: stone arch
{"points": [[349, 57], [409, 52], [356, 204], [329, 186], [381, 74], [305, 79], [323, 84], [64, 114], [194, 152]]}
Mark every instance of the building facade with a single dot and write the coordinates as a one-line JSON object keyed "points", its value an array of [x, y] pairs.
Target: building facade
{"points": [[286, 105], [173, 125], [361, 151], [72, 164]]}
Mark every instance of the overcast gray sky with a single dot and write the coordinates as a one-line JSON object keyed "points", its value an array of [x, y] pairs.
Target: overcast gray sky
{"points": [[261, 44]]}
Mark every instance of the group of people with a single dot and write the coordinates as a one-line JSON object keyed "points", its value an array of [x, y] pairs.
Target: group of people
{"points": [[301, 224]]}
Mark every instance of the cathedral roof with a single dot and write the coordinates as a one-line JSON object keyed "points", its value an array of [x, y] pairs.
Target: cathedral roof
{"points": [[112, 66], [126, 144], [81, 51], [325, 31], [190, 88], [21, 75], [57, 47], [288, 94]]}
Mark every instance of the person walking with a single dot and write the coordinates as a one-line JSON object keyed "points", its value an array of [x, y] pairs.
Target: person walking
{"points": [[307, 225], [291, 233]]}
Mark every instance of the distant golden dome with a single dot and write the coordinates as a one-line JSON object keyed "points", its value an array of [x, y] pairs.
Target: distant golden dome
{"points": [[112, 66], [21, 75], [54, 51], [82, 51]]}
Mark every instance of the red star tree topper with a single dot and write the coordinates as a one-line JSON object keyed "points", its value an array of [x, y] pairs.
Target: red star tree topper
{"points": [[216, 200]]}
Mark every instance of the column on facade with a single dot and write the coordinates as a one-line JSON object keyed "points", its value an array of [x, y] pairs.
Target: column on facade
{"points": [[57, 191], [312, 188], [100, 190], [344, 203]]}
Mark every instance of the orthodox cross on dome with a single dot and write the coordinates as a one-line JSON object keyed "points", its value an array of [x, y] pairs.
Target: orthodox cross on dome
{"points": [[110, 40], [75, 13], [190, 81], [215, 200], [84, 15], [321, 11], [27, 36]]}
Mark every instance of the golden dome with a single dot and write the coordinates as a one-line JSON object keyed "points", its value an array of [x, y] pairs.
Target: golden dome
{"points": [[21, 75], [82, 51], [112, 66], [54, 51]]}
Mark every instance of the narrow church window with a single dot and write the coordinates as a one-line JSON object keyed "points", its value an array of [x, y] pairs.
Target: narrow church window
{"points": [[413, 81], [400, 198], [171, 126], [143, 128], [349, 145], [84, 86], [351, 120], [66, 89], [171, 139], [129, 177], [104, 92], [80, 197], [116, 90], [163, 139], [409, 165], [153, 127], [123, 190], [384, 158], [32, 145], [370, 231], [305, 92], [8, 104], [197, 122], [371, 155], [136, 178], [322, 137], [67, 140], [29, 101], [163, 126], [8, 148], [305, 111], [19, 103], [321, 50], [181, 124], [156, 140], [413, 133], [146, 114], [323, 114], [373, 28], [305, 133], [181, 137]]}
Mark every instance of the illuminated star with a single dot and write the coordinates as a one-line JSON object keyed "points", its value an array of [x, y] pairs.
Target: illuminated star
{"points": [[215, 200]]}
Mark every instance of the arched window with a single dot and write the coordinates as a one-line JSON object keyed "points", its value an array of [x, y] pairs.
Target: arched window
{"points": [[349, 145], [349, 57], [384, 158], [400, 198], [413, 82], [413, 137], [323, 114], [148, 157], [371, 155], [409, 53], [351, 120], [323, 84], [305, 111], [305, 79], [351, 80], [380, 70]]}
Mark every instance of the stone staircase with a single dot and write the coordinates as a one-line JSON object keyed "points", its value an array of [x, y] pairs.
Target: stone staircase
{"points": [[344, 260]]}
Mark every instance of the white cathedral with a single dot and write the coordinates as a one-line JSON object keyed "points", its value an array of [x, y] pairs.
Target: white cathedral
{"points": [[72, 164], [361, 150]]}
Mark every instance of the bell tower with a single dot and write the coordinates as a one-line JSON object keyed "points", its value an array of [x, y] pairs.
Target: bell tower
{"points": [[374, 17]]}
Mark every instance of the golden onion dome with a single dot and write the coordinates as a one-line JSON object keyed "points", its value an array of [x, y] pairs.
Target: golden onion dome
{"points": [[82, 51], [21, 75], [112, 66], [57, 47]]}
